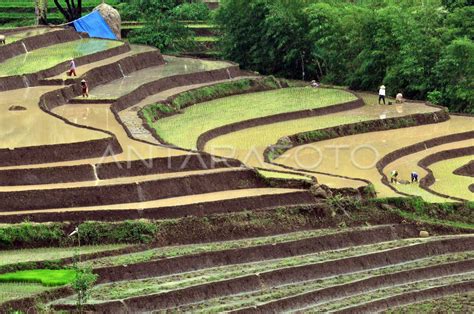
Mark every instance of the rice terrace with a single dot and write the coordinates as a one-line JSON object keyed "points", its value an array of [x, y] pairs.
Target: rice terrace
{"points": [[244, 156]]}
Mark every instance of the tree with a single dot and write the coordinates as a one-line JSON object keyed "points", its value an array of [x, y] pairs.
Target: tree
{"points": [[72, 11], [41, 9], [455, 76]]}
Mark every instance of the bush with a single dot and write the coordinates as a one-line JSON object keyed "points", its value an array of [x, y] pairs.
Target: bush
{"points": [[196, 11], [163, 32], [13, 235], [122, 232]]}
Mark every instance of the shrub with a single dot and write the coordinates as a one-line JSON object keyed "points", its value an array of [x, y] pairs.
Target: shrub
{"points": [[135, 231], [12, 235], [196, 11]]}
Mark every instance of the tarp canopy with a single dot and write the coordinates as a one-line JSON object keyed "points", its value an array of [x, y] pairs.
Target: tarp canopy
{"points": [[95, 25]]}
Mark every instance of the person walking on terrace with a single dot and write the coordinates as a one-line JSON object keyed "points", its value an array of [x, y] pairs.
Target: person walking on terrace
{"points": [[85, 89], [382, 94], [72, 68]]}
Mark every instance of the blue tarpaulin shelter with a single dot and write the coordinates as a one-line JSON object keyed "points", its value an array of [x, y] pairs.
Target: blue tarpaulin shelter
{"points": [[95, 25]]}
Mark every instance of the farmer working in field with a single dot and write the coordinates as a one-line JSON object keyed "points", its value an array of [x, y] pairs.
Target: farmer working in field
{"points": [[394, 176], [414, 177], [399, 98], [72, 68], [85, 88], [382, 94], [3, 39]]}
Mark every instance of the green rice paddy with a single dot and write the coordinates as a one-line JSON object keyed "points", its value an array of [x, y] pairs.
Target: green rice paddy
{"points": [[46, 277], [450, 184], [184, 129], [44, 58]]}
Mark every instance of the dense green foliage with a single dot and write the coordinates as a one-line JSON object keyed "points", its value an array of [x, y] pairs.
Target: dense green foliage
{"points": [[52, 234], [162, 28], [196, 11], [424, 50], [46, 277]]}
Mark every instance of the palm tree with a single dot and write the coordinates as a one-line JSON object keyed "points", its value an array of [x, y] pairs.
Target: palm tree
{"points": [[72, 11]]}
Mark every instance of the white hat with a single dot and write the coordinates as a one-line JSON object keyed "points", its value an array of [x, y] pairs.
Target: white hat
{"points": [[83, 81]]}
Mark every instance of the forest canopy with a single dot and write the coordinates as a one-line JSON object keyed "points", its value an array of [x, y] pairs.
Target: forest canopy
{"points": [[423, 49]]}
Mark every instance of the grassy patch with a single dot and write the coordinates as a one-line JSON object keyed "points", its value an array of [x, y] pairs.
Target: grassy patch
{"points": [[206, 38], [212, 114], [282, 175], [48, 57], [51, 253], [461, 303], [46, 277], [11, 291]]}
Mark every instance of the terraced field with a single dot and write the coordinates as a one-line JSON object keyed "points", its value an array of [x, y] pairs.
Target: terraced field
{"points": [[47, 57], [283, 280], [197, 228]]}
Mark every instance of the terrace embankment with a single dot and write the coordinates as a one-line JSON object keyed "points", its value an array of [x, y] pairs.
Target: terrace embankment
{"points": [[51, 198], [257, 253], [281, 276], [411, 297], [301, 301]]}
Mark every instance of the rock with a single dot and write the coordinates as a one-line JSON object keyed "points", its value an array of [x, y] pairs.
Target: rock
{"points": [[112, 17], [16, 108], [424, 234], [387, 207], [318, 191]]}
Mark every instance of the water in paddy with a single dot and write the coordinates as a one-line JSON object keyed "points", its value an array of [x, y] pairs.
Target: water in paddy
{"points": [[173, 66], [44, 58], [29, 33]]}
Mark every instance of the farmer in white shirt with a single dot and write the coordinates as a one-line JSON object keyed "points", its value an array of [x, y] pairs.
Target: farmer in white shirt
{"points": [[382, 94]]}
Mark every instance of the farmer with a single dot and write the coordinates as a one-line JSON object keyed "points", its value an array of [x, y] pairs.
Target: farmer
{"points": [[85, 89], [314, 84], [394, 176], [399, 98], [414, 177], [3, 39], [382, 94], [72, 68]]}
